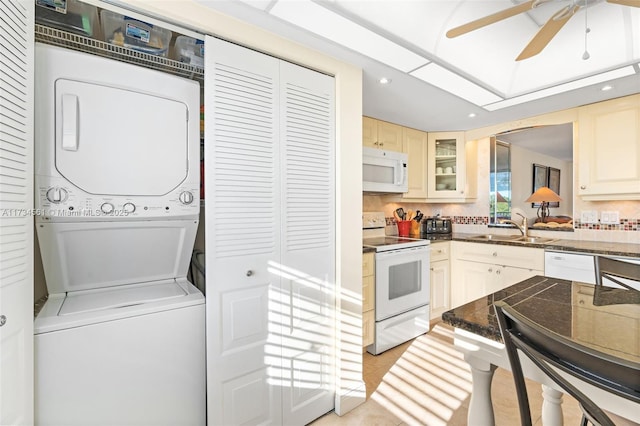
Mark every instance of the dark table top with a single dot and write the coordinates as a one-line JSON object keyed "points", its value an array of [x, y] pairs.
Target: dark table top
{"points": [[607, 320]]}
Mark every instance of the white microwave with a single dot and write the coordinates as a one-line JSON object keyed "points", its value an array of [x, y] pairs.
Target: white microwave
{"points": [[384, 171]]}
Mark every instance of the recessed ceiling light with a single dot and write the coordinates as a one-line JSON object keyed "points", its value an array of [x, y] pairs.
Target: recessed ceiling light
{"points": [[607, 87], [385, 80], [471, 115]]}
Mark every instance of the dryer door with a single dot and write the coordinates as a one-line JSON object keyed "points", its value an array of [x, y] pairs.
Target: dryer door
{"points": [[112, 141]]}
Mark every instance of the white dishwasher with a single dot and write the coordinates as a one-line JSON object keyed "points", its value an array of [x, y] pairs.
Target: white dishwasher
{"points": [[575, 267]]}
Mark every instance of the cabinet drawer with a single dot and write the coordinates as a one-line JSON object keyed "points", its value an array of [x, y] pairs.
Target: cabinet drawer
{"points": [[507, 255], [368, 265], [440, 251]]}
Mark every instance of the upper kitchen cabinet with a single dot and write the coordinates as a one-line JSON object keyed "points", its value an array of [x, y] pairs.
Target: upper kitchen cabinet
{"points": [[451, 167], [609, 150], [414, 144], [381, 134]]}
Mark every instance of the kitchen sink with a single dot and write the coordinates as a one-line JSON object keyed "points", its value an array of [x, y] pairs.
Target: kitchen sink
{"points": [[493, 237], [512, 238], [534, 240]]}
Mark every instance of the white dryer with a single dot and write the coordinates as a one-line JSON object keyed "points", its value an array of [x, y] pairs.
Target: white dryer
{"points": [[121, 338]]}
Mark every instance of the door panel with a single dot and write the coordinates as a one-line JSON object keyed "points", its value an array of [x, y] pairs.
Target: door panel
{"points": [[106, 135], [16, 224]]}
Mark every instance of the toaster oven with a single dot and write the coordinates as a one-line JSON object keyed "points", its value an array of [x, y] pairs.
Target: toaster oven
{"points": [[431, 226]]}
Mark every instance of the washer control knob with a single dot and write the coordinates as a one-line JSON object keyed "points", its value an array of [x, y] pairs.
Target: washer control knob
{"points": [[107, 208], [186, 197], [129, 207], [57, 195]]}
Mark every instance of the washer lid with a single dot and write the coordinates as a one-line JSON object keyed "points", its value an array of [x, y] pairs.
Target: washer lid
{"points": [[95, 300]]}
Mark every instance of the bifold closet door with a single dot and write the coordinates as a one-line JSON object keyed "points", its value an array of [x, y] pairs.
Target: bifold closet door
{"points": [[16, 219], [270, 308]]}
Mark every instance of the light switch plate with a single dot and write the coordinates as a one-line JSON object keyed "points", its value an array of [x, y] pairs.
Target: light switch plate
{"points": [[589, 216], [610, 217]]}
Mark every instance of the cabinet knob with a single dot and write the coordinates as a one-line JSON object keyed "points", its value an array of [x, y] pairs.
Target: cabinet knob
{"points": [[490, 270], [3, 320], [381, 143], [249, 272], [431, 269], [375, 143], [495, 254], [498, 272], [583, 186]]}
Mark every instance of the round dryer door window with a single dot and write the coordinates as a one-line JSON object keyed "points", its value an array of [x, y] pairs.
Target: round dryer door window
{"points": [[113, 141]]}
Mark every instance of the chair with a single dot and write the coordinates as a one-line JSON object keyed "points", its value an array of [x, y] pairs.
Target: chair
{"points": [[546, 349], [624, 275]]}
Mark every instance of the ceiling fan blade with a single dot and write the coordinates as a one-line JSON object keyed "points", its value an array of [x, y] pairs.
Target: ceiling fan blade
{"points": [[547, 32], [488, 20], [632, 3]]}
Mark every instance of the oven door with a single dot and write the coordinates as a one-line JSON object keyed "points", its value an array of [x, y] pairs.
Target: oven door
{"points": [[402, 281]]}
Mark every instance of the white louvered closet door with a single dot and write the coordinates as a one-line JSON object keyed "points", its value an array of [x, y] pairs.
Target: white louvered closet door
{"points": [[241, 235], [270, 242], [307, 225], [16, 221]]}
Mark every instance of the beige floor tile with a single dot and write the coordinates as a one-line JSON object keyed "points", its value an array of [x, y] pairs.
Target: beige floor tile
{"points": [[427, 382]]}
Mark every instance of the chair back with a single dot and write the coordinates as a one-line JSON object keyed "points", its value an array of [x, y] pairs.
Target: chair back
{"points": [[546, 349], [625, 276]]}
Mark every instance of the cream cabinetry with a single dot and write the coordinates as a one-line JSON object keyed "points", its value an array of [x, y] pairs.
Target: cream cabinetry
{"points": [[480, 269], [414, 144], [381, 134], [609, 150], [368, 298], [451, 167], [440, 279]]}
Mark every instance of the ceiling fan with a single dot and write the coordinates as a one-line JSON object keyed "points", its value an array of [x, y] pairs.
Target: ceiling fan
{"points": [[548, 30]]}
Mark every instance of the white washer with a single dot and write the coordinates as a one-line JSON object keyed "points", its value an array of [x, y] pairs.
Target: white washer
{"points": [[121, 339]]}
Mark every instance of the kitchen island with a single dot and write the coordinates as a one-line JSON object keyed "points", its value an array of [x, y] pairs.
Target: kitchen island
{"points": [[564, 307]]}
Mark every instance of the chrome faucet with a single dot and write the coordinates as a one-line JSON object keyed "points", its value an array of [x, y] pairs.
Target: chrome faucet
{"points": [[524, 228]]}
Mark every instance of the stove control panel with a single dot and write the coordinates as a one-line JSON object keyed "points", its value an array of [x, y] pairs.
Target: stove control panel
{"points": [[371, 220]]}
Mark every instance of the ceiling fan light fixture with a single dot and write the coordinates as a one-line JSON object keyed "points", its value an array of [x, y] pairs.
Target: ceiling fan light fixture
{"points": [[472, 115], [606, 88]]}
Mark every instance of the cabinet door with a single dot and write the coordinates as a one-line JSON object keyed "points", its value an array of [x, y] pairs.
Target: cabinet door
{"points": [[506, 276], [370, 132], [609, 152], [439, 281], [469, 281], [389, 136], [447, 165], [414, 143]]}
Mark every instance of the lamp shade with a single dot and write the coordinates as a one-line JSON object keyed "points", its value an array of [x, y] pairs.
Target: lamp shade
{"points": [[543, 194]]}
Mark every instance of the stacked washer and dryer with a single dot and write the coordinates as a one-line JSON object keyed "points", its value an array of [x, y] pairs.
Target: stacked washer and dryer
{"points": [[121, 338]]}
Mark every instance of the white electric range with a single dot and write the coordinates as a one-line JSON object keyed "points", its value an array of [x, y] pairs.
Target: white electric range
{"points": [[402, 288]]}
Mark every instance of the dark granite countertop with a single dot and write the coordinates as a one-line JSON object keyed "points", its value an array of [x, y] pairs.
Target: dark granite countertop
{"points": [[557, 304], [600, 247]]}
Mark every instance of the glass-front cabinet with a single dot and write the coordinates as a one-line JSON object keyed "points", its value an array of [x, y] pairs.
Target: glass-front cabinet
{"points": [[447, 166]]}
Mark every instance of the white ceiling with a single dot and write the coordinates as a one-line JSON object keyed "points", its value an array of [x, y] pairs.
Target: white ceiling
{"points": [[407, 38]]}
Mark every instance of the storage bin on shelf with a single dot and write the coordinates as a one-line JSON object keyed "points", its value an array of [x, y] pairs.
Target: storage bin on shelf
{"points": [[134, 34], [69, 15], [189, 50]]}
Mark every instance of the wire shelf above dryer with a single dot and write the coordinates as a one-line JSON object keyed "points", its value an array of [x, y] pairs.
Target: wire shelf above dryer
{"points": [[56, 37]]}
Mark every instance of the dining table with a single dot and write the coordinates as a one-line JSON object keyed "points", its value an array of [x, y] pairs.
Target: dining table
{"points": [[604, 319]]}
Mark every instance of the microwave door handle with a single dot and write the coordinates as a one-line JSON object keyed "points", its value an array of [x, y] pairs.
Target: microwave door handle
{"points": [[401, 174]]}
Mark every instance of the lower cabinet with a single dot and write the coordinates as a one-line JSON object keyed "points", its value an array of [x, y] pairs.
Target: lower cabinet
{"points": [[480, 269], [440, 279], [368, 298]]}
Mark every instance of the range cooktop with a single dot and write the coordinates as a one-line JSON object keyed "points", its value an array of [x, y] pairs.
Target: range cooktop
{"points": [[384, 243]]}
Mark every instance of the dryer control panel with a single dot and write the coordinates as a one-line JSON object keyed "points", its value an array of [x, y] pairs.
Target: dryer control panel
{"points": [[58, 201]]}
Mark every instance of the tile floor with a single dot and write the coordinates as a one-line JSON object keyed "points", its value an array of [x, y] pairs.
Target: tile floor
{"points": [[427, 382]]}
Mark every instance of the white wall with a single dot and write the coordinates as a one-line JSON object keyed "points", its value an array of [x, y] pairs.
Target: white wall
{"points": [[522, 161]]}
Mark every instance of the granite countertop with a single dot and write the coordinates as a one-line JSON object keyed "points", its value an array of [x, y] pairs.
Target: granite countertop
{"points": [[555, 304], [599, 247]]}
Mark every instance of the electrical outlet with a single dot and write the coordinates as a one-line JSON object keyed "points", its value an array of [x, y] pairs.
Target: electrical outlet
{"points": [[589, 216], [610, 217]]}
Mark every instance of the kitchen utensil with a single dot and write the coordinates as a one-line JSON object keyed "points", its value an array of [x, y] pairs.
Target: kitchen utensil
{"points": [[419, 216], [401, 213], [409, 214]]}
